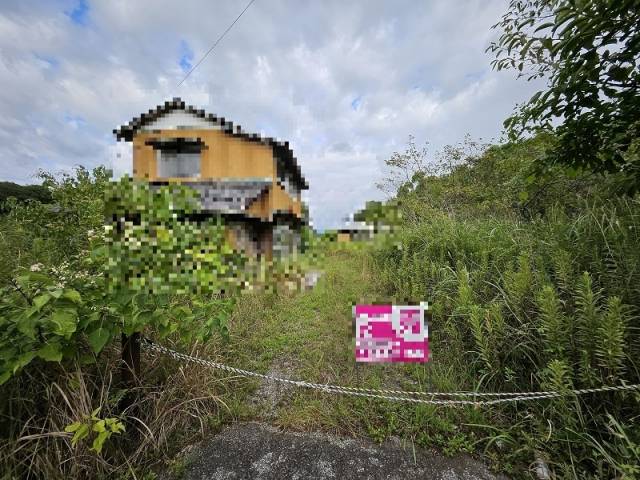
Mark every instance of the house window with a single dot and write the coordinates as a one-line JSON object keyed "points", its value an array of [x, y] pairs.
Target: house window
{"points": [[172, 164], [177, 157]]}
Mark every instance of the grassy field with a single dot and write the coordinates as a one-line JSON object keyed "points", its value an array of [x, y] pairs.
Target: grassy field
{"points": [[505, 291], [308, 336]]}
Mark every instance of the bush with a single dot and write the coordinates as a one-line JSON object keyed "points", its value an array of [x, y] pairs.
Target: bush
{"points": [[72, 284]]}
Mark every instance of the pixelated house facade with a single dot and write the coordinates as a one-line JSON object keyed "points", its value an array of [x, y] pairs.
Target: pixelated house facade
{"points": [[253, 182], [355, 231]]}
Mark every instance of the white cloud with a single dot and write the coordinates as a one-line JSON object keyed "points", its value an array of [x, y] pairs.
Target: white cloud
{"points": [[287, 69]]}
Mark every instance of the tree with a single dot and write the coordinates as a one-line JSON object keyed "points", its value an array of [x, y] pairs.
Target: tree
{"points": [[589, 51], [403, 167], [379, 213], [413, 173], [23, 193]]}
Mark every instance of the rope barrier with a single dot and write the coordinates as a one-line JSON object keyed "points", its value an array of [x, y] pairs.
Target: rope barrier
{"points": [[436, 398]]}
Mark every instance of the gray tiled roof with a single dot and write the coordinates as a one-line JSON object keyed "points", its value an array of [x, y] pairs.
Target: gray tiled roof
{"points": [[228, 196]]}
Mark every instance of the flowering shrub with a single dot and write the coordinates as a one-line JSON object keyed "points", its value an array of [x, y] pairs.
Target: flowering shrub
{"points": [[151, 267]]}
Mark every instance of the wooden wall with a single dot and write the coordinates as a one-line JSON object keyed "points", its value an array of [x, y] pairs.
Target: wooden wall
{"points": [[223, 157], [275, 199]]}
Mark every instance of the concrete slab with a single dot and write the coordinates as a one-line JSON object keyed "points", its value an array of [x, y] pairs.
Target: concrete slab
{"points": [[259, 451]]}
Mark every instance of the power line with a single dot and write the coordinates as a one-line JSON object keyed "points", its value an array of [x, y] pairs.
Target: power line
{"points": [[217, 41]]}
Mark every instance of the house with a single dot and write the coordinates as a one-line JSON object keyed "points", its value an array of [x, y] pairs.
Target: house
{"points": [[253, 182], [355, 231]]}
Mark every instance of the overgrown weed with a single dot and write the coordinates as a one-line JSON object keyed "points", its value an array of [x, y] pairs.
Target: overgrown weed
{"points": [[550, 304], [169, 412]]}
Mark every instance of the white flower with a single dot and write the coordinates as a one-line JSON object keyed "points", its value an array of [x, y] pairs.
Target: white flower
{"points": [[36, 267]]}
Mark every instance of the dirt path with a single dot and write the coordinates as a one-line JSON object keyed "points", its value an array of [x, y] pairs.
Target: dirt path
{"points": [[270, 395], [259, 451], [308, 336], [253, 450]]}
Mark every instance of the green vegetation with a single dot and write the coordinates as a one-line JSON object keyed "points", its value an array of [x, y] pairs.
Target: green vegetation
{"points": [[527, 252], [533, 282], [531, 291], [70, 284], [121, 281], [378, 214], [22, 193], [533, 286], [588, 51]]}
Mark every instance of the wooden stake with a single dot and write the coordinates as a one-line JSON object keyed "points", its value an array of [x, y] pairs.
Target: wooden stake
{"points": [[130, 369], [130, 374]]}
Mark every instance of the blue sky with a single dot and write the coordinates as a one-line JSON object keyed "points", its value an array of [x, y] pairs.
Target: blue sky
{"points": [[79, 13], [186, 56], [345, 83]]}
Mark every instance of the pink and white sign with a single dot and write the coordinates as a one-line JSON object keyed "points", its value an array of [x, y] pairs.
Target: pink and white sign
{"points": [[391, 333]]}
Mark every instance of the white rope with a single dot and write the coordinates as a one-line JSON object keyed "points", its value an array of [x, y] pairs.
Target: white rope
{"points": [[436, 398]]}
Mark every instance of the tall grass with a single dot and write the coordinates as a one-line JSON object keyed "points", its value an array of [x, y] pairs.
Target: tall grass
{"points": [[550, 303], [174, 405]]}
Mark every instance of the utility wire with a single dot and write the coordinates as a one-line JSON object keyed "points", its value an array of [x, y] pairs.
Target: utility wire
{"points": [[217, 41]]}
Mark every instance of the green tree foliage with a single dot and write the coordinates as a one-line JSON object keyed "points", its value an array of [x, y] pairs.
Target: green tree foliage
{"points": [[589, 52], [152, 267], [534, 286], [53, 234], [156, 242], [403, 166], [23, 193], [379, 213], [472, 178]]}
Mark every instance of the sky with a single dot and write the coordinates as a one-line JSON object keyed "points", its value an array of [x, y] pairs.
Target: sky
{"points": [[345, 83]]}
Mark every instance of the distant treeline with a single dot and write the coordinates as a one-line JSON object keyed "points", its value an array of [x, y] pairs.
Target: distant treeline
{"points": [[23, 192]]}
